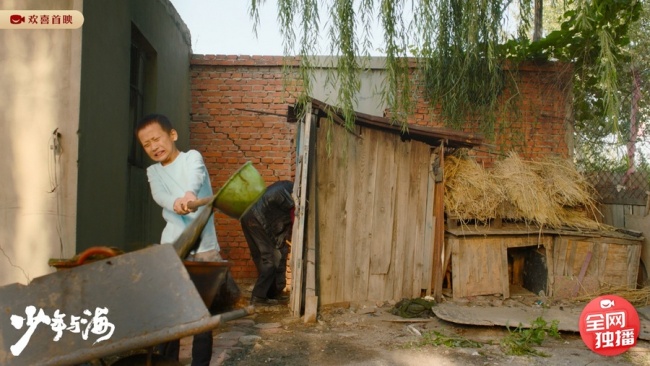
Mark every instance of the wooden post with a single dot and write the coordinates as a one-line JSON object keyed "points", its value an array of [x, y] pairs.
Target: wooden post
{"points": [[297, 237], [311, 298], [439, 228], [430, 224]]}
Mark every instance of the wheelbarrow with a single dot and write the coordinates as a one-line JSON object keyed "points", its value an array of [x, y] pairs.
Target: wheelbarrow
{"points": [[117, 304], [131, 301]]}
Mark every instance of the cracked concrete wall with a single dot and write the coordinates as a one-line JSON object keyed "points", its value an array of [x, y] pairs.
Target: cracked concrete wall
{"points": [[39, 71]]}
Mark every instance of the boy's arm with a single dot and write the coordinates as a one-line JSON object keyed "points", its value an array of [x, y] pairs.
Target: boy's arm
{"points": [[196, 171], [159, 192]]}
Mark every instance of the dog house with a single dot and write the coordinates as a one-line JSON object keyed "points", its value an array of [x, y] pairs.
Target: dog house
{"points": [[561, 264]]}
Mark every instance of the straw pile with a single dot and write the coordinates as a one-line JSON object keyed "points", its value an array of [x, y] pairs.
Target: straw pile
{"points": [[471, 193], [636, 297], [549, 193]]}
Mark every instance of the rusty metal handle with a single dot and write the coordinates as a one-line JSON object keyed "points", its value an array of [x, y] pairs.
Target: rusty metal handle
{"points": [[106, 251]]}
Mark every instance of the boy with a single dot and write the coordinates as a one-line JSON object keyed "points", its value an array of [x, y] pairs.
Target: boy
{"points": [[176, 179]]}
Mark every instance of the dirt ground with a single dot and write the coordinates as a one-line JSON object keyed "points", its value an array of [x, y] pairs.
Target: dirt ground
{"points": [[368, 334]]}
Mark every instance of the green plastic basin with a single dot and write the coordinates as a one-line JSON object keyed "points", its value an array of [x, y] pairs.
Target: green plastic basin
{"points": [[241, 190]]}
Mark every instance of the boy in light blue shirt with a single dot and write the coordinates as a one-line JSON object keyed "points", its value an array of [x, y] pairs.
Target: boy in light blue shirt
{"points": [[176, 179]]}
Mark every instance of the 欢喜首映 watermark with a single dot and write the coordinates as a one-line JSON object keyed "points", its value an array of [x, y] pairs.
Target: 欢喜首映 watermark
{"points": [[97, 324]]}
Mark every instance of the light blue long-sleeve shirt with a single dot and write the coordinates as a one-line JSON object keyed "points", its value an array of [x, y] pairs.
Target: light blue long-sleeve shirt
{"points": [[187, 173]]}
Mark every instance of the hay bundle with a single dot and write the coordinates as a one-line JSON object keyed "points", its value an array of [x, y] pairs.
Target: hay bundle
{"points": [[471, 192], [549, 193], [563, 183], [637, 297], [525, 192]]}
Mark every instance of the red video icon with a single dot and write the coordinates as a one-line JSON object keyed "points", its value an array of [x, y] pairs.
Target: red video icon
{"points": [[17, 19]]}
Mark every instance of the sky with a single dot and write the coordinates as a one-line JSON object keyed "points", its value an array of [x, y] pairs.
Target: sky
{"points": [[224, 27]]}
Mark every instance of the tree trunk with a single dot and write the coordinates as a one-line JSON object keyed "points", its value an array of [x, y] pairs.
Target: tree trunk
{"points": [[635, 129], [537, 33]]}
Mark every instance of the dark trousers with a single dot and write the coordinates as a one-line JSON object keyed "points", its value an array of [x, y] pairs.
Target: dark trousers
{"points": [[271, 262], [201, 349]]}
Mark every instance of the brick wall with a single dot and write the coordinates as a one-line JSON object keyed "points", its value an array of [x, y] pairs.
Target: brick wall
{"points": [[539, 125], [226, 89]]}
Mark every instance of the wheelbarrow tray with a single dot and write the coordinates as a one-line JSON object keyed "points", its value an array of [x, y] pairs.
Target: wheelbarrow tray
{"points": [[208, 277], [148, 294]]}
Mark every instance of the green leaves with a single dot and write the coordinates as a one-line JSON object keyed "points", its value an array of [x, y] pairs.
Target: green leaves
{"points": [[459, 48], [521, 341]]}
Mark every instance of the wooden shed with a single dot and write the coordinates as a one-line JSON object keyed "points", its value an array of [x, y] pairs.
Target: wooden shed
{"points": [[369, 224]]}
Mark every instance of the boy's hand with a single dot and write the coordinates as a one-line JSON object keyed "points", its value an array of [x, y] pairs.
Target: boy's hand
{"points": [[180, 205]]}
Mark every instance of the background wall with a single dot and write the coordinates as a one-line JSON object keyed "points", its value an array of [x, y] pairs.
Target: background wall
{"points": [[239, 113], [114, 204], [228, 136], [39, 71]]}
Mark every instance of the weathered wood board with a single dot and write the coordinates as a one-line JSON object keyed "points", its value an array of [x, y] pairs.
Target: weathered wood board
{"points": [[372, 192], [612, 262], [568, 317]]}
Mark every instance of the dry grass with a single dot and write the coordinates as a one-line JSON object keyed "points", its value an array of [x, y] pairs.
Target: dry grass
{"points": [[471, 192], [549, 193], [636, 297], [525, 191]]}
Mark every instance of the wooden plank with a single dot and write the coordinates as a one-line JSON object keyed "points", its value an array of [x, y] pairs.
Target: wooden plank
{"points": [[327, 218], [638, 211], [295, 257], [486, 261], [618, 215], [479, 267], [633, 255], [517, 269], [351, 222], [329, 225], [608, 214], [365, 191], [447, 259], [383, 211], [380, 258], [641, 223], [617, 268], [603, 254], [572, 247], [311, 300], [458, 289], [560, 250], [439, 230], [337, 203], [502, 274], [420, 176], [581, 276], [549, 248], [297, 236], [311, 306], [427, 253], [402, 242]]}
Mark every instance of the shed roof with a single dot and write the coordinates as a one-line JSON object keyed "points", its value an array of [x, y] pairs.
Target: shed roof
{"points": [[430, 135]]}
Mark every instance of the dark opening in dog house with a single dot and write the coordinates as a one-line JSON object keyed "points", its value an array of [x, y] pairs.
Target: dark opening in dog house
{"points": [[527, 269]]}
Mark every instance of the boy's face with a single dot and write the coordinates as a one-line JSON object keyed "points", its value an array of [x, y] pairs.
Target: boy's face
{"points": [[158, 144]]}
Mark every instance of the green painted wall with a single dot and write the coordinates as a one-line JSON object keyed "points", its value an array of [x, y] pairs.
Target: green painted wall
{"points": [[104, 197]]}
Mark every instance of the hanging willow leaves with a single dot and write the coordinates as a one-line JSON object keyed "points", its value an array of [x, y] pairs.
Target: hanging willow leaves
{"points": [[460, 48]]}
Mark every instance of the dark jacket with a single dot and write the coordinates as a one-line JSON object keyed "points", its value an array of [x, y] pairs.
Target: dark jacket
{"points": [[273, 211]]}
